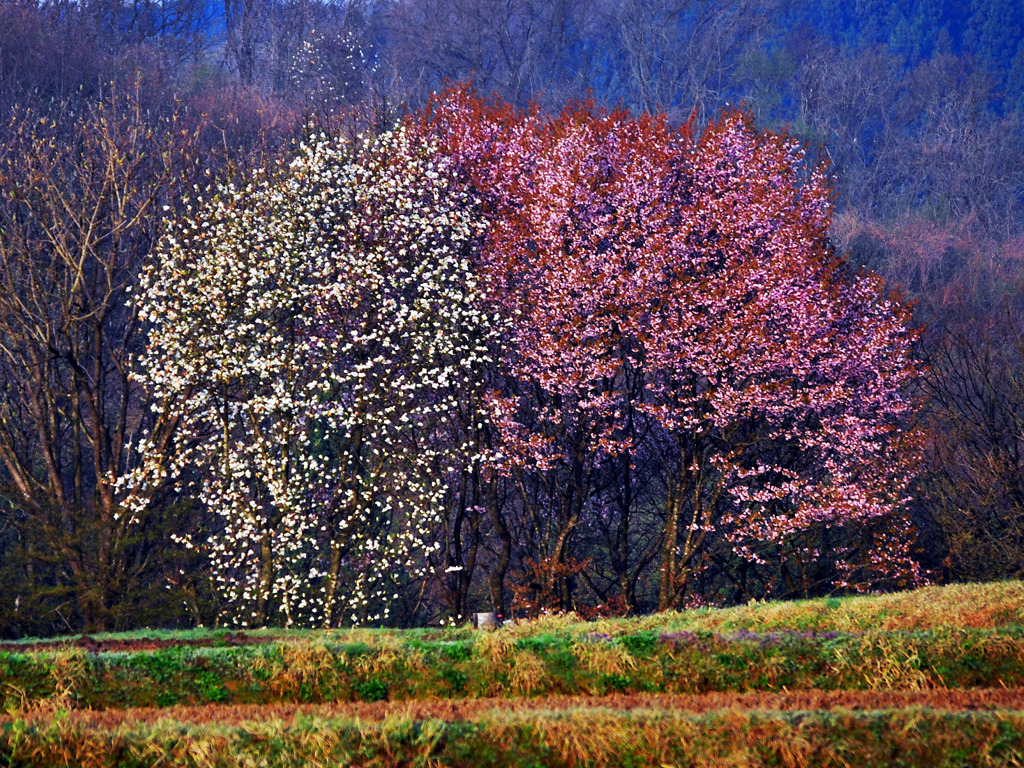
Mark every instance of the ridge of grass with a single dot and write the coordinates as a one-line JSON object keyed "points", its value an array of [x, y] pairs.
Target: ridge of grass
{"points": [[952, 636], [906, 653], [987, 605], [969, 606], [496, 664], [907, 737]]}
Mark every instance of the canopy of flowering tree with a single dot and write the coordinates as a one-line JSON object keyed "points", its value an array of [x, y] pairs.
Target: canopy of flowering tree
{"points": [[312, 332], [677, 296]]}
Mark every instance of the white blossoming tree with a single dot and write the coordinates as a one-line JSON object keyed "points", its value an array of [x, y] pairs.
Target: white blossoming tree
{"points": [[313, 333]]}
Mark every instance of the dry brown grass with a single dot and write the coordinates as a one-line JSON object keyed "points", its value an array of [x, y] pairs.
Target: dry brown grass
{"points": [[964, 606], [604, 658], [596, 737], [809, 728], [884, 662], [302, 665], [495, 648], [527, 673], [69, 672], [949, 700]]}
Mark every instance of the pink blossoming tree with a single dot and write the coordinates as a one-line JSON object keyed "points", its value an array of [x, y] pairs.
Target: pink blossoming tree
{"points": [[677, 319]]}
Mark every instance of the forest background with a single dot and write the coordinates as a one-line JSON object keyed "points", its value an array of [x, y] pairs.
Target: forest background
{"points": [[115, 113]]}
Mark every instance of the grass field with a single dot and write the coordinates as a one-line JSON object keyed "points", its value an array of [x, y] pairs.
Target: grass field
{"points": [[927, 678]]}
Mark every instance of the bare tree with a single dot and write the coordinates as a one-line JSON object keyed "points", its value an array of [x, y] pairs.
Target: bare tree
{"points": [[47, 53], [680, 53], [976, 456], [516, 48], [84, 187]]}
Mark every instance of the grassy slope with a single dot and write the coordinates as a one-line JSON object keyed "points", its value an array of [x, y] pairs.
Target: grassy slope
{"points": [[965, 606], [961, 636]]}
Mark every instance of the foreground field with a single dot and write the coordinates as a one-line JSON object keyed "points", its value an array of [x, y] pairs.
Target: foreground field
{"points": [[934, 677], [454, 710], [586, 736]]}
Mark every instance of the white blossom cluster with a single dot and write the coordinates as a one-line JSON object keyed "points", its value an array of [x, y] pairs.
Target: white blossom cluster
{"points": [[314, 332]]}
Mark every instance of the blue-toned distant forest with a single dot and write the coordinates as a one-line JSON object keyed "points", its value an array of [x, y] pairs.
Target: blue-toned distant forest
{"points": [[112, 113], [878, 86]]}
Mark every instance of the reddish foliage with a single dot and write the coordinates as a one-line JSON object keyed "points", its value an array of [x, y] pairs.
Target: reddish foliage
{"points": [[535, 590], [678, 297]]}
